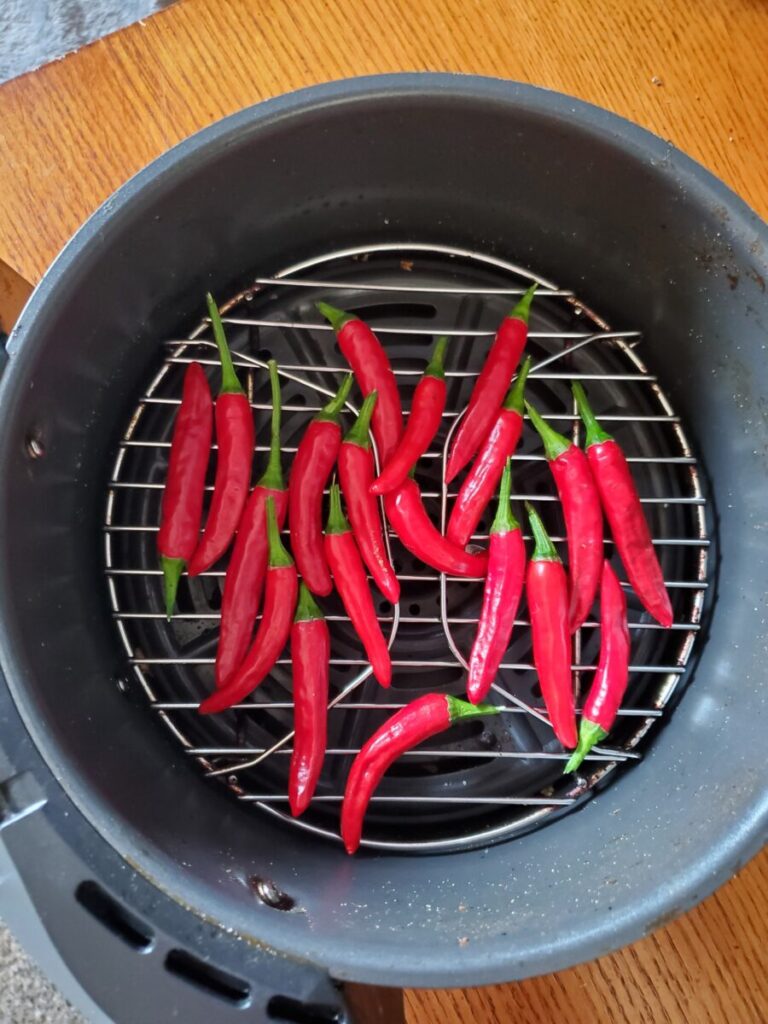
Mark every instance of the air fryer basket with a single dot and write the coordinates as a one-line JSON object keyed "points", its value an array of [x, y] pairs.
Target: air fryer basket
{"points": [[639, 234]]}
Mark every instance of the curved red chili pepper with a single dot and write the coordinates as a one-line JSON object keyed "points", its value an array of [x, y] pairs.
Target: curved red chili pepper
{"points": [[410, 521], [310, 654], [624, 512], [610, 682], [370, 363], [272, 635], [312, 466], [501, 596], [547, 590], [422, 424], [583, 516], [491, 386], [424, 717], [481, 482], [234, 439], [356, 476], [248, 563], [182, 505], [352, 585]]}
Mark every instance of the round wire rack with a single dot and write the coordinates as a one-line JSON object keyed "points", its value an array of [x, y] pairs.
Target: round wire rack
{"points": [[485, 780]]}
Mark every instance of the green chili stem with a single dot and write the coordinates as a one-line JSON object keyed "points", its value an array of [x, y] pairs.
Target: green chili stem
{"points": [[514, 399], [460, 709], [230, 385], [545, 550], [436, 365], [273, 474], [522, 309], [358, 433], [554, 444], [505, 522], [307, 607], [278, 556], [337, 521], [172, 570], [337, 318], [595, 433], [590, 733], [331, 411]]}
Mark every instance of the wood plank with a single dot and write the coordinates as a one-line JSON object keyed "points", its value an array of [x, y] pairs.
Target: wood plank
{"points": [[75, 130]]}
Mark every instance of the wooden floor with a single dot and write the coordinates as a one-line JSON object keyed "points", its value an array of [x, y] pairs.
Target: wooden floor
{"points": [[695, 73]]}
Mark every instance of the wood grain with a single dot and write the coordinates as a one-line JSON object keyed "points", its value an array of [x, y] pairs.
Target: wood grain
{"points": [[75, 130], [695, 73]]}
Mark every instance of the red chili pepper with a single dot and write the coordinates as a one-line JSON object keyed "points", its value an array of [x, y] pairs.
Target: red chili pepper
{"points": [[235, 439], [610, 682], [248, 563], [424, 717], [182, 507], [356, 476], [423, 423], [310, 654], [583, 516], [410, 521], [625, 514], [352, 585], [365, 354], [491, 386], [501, 597], [547, 589], [272, 635], [481, 482], [312, 466]]}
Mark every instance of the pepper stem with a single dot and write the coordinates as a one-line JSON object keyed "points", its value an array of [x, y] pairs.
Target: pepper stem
{"points": [[230, 385], [337, 318], [590, 733], [436, 365], [595, 433], [307, 608], [463, 709], [172, 570], [273, 474], [545, 550], [505, 521], [358, 433], [331, 411], [522, 309], [337, 521], [514, 399], [278, 556], [554, 444]]}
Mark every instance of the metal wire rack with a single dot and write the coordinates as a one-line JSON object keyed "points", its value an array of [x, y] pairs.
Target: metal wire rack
{"points": [[494, 779]]}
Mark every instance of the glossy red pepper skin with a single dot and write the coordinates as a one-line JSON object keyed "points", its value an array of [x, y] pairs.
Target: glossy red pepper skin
{"points": [[312, 467], [352, 585], [370, 365], [248, 563], [280, 594], [501, 596], [610, 682], [410, 521], [583, 517], [547, 589], [490, 386], [625, 515], [234, 440], [481, 482], [422, 424], [356, 472], [182, 506], [310, 656], [418, 721]]}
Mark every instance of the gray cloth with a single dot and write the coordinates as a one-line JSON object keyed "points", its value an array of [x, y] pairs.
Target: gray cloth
{"points": [[26, 996], [34, 32]]}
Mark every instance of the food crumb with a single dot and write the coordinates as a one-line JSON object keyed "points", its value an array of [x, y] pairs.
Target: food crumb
{"points": [[464, 941], [406, 264], [657, 81]]}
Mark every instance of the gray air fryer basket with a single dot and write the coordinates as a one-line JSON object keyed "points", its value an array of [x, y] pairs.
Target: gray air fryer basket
{"points": [[424, 203]]}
